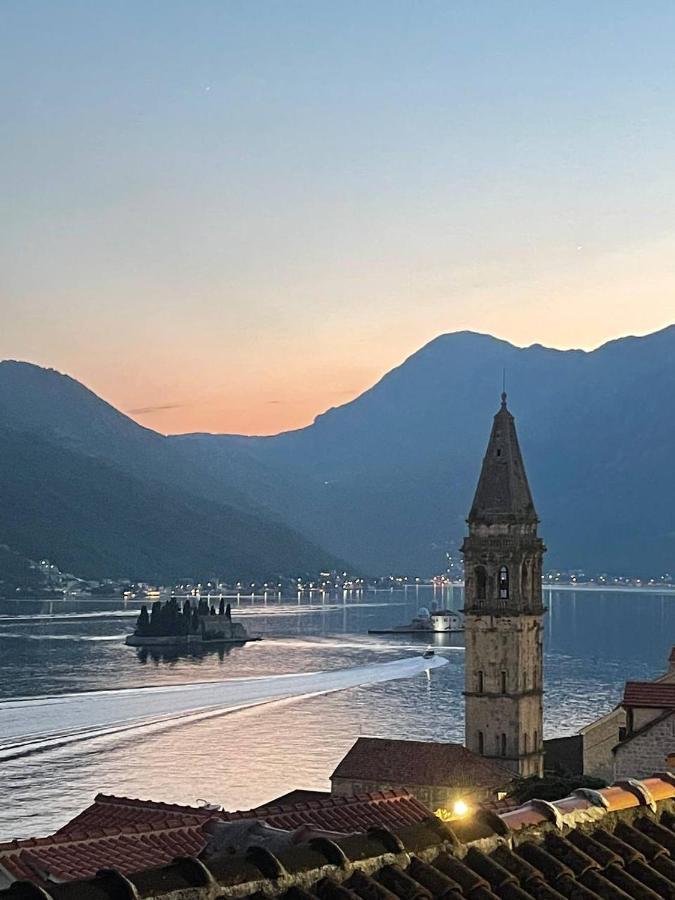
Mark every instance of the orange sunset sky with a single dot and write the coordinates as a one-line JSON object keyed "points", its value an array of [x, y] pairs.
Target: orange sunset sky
{"points": [[234, 220]]}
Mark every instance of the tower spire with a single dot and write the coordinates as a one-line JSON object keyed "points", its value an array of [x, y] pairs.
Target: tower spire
{"points": [[503, 492], [503, 609]]}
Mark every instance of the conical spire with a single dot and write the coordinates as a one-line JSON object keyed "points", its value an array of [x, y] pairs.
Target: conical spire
{"points": [[503, 494]]}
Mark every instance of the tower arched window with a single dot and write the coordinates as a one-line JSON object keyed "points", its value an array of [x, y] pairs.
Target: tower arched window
{"points": [[481, 743], [503, 583], [503, 744], [503, 682], [480, 576], [525, 743], [525, 583], [480, 683]]}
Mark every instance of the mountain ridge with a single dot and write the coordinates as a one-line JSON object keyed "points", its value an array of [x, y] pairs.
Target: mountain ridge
{"points": [[608, 401], [59, 443], [385, 480]]}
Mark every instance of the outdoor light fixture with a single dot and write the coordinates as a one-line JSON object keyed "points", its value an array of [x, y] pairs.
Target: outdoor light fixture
{"points": [[459, 808]]}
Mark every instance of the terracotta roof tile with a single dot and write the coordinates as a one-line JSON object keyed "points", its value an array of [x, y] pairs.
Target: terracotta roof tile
{"points": [[110, 811], [623, 851], [297, 796], [420, 763], [649, 694], [129, 849], [345, 814], [140, 834], [342, 814]]}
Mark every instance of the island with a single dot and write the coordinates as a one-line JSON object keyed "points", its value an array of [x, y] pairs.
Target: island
{"points": [[172, 624]]}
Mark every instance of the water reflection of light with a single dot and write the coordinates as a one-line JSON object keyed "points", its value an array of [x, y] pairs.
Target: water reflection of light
{"points": [[618, 635]]}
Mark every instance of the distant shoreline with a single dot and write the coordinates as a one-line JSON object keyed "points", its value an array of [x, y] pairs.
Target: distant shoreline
{"points": [[613, 589]]}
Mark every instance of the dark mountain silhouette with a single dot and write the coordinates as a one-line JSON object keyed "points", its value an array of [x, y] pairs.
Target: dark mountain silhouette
{"points": [[85, 486], [386, 481], [388, 478]]}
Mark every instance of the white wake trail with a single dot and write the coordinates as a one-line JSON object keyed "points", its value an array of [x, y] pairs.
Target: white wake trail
{"points": [[46, 723]]}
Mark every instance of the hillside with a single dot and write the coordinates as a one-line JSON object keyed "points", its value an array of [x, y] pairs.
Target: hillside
{"points": [[384, 481], [88, 488], [388, 478]]}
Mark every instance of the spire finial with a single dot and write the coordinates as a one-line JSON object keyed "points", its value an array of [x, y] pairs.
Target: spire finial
{"points": [[503, 388]]}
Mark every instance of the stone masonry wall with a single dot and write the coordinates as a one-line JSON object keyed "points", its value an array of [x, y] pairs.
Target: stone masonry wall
{"points": [[430, 795], [600, 738], [646, 753]]}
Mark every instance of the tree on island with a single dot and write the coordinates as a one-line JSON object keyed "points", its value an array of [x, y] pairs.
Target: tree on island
{"points": [[228, 612], [155, 618], [143, 621], [221, 607]]}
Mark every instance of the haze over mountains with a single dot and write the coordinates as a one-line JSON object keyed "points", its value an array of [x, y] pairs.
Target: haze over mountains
{"points": [[383, 482], [101, 496]]}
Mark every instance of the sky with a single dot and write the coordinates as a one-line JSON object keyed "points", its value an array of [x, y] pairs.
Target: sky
{"points": [[230, 216]]}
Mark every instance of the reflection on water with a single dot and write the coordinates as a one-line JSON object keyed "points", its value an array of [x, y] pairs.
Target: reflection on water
{"points": [[194, 651], [593, 642]]}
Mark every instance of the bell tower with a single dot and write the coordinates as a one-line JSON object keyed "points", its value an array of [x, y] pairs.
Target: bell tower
{"points": [[503, 610]]}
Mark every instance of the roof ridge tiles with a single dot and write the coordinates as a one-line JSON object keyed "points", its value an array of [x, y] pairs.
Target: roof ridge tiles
{"points": [[69, 839], [160, 805], [567, 865]]}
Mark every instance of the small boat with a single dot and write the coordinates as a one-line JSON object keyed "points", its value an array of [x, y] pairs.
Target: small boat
{"points": [[438, 621], [428, 654]]}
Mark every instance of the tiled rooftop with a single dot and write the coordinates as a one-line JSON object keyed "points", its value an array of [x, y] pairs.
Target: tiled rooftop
{"points": [[116, 812], [649, 694], [299, 795], [128, 835], [614, 844], [81, 855], [421, 763], [391, 809]]}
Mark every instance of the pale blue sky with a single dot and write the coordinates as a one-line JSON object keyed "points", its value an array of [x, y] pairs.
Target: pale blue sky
{"points": [[251, 210]]}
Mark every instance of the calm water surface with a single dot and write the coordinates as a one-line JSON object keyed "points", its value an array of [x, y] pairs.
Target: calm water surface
{"points": [[261, 733]]}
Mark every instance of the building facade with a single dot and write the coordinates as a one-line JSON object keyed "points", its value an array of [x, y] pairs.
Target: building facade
{"points": [[435, 773], [503, 610], [640, 731]]}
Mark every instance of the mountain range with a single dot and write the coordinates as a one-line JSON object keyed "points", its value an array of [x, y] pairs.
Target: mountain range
{"points": [[383, 482]]}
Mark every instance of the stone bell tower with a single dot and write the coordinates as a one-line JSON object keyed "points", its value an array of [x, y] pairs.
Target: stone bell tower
{"points": [[503, 610]]}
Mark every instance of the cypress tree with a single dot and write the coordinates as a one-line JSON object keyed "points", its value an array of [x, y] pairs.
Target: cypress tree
{"points": [[143, 621]]}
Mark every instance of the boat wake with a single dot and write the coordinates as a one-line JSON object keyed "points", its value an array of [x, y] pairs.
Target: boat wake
{"points": [[43, 724]]}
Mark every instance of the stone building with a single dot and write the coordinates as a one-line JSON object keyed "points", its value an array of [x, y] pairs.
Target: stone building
{"points": [[649, 736], [435, 773], [640, 731], [503, 610]]}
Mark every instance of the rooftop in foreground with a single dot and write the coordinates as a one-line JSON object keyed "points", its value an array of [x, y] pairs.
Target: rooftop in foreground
{"points": [[420, 762], [127, 834], [617, 843]]}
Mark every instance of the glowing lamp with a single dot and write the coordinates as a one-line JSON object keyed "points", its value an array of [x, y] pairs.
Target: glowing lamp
{"points": [[459, 808]]}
